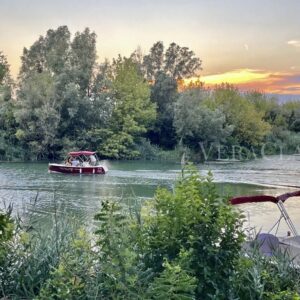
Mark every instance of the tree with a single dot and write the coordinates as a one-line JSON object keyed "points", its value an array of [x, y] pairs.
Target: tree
{"points": [[37, 115], [49, 53], [177, 62], [164, 94], [196, 123], [57, 49], [180, 62], [74, 106], [101, 105], [83, 59], [249, 128], [6, 82], [153, 62], [5, 78], [8, 125], [290, 112], [132, 113], [137, 57], [102, 95]]}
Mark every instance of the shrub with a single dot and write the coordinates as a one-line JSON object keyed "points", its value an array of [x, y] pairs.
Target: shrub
{"points": [[32, 254], [259, 277], [6, 233], [196, 219]]}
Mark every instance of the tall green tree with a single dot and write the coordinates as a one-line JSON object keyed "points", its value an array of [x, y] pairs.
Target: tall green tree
{"points": [[8, 125], [102, 105], [64, 71], [5, 78], [196, 123], [180, 62], [49, 53], [249, 128], [132, 114], [37, 115], [177, 62], [83, 59], [164, 68], [153, 62], [164, 94]]}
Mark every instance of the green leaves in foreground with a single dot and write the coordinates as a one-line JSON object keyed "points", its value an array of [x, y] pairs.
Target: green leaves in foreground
{"points": [[173, 283], [195, 220], [185, 246], [6, 232]]}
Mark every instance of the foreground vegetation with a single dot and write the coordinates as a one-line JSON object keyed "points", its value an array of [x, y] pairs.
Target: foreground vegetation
{"points": [[184, 244], [131, 107]]}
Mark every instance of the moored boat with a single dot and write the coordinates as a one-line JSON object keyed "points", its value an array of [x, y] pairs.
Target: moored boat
{"points": [[269, 243], [79, 162]]}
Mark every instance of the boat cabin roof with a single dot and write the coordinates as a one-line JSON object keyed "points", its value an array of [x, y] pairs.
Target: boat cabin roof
{"points": [[263, 198], [78, 153]]}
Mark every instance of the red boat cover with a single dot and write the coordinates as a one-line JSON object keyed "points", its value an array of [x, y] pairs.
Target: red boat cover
{"points": [[250, 199], [263, 198], [78, 153]]}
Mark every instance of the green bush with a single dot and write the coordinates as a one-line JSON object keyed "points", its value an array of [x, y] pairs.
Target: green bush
{"points": [[173, 283], [150, 151], [32, 254], [259, 277], [70, 279], [196, 219], [6, 233]]}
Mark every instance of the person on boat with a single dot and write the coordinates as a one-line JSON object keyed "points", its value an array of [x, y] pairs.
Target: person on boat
{"points": [[69, 161], [92, 160], [75, 162]]}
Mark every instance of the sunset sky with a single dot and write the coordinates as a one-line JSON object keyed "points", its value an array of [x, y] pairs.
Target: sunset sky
{"points": [[254, 44]]}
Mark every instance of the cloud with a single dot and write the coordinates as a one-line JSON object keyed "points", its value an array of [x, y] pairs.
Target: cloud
{"points": [[246, 46], [250, 79], [294, 43], [237, 76]]}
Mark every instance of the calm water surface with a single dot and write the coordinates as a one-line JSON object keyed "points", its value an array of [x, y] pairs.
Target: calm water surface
{"points": [[81, 195]]}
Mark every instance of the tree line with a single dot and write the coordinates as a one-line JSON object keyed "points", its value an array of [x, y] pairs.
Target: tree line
{"points": [[128, 107]]}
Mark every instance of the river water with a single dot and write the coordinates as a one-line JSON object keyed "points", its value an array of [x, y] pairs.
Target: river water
{"points": [[23, 184]]}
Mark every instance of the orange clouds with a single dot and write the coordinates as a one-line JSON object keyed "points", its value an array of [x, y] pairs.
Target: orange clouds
{"points": [[249, 79]]}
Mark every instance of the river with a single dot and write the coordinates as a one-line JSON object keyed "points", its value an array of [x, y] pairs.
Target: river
{"points": [[25, 183]]}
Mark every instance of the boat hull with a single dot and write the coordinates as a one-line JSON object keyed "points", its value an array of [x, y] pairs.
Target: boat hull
{"points": [[59, 168]]}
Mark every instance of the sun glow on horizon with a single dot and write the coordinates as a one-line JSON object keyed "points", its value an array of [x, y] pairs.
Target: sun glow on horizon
{"points": [[250, 79], [236, 77], [232, 77]]}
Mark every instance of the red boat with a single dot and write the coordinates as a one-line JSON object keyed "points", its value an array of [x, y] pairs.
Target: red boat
{"points": [[80, 162]]}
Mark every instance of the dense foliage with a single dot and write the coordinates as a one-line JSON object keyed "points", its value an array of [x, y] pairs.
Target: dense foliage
{"points": [[135, 107], [184, 244]]}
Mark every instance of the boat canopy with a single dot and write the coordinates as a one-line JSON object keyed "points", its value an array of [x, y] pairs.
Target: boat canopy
{"points": [[251, 199], [78, 153], [263, 198]]}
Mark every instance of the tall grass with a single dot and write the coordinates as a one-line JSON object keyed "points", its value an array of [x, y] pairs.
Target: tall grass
{"points": [[33, 252]]}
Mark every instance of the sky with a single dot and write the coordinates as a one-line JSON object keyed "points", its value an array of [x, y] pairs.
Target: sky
{"points": [[254, 44]]}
